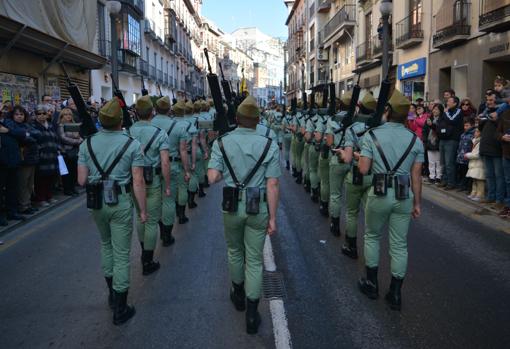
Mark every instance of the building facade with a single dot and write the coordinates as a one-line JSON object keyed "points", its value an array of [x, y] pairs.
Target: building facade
{"points": [[297, 42]]}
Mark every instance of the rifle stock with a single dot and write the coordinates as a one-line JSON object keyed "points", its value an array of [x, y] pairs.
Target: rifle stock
{"points": [[384, 95], [126, 118], [87, 126], [226, 86], [221, 123], [347, 121], [144, 90]]}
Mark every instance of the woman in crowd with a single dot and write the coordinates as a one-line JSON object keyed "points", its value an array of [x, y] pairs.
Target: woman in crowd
{"points": [[70, 142], [468, 109], [418, 122], [46, 170], [431, 142], [29, 160]]}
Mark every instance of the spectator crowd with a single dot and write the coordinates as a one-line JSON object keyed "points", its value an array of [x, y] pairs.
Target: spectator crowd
{"points": [[34, 146], [468, 147]]}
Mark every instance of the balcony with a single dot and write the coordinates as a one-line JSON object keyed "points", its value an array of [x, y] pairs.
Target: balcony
{"points": [[150, 28], [377, 46], [409, 31], [137, 5], [160, 75], [144, 67], [105, 48], [343, 19], [452, 25], [324, 6], [127, 61], [364, 53], [165, 79], [494, 15], [152, 72]]}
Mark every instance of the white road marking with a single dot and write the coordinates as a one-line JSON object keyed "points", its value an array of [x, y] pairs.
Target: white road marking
{"points": [[280, 326]]}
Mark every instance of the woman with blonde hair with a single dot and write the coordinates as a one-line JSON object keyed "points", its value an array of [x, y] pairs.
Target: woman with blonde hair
{"points": [[70, 141]]}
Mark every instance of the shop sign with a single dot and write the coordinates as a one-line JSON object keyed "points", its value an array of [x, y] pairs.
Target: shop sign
{"points": [[412, 69]]}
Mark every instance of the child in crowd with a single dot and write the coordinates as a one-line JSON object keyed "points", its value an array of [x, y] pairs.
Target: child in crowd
{"points": [[503, 92], [431, 142], [476, 169], [465, 146]]}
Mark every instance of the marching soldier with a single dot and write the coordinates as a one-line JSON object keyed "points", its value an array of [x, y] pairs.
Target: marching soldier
{"points": [[157, 164], [313, 155], [299, 143], [264, 130], [395, 156], [337, 169], [276, 124], [194, 152], [356, 185], [287, 139], [207, 116], [249, 207], [110, 164], [323, 165], [202, 151]]}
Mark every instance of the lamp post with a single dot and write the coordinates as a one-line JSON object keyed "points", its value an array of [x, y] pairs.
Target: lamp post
{"points": [[386, 9], [114, 8]]}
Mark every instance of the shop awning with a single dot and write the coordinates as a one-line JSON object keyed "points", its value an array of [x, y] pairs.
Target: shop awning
{"points": [[14, 34]]}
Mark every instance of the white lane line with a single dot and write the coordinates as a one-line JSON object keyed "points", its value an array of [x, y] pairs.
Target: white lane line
{"points": [[280, 326]]}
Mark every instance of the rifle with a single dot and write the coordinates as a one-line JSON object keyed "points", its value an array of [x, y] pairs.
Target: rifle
{"points": [[293, 106], [144, 90], [332, 99], [226, 86], [87, 126], [384, 95], [221, 123], [348, 119], [231, 110], [159, 89], [126, 118]]}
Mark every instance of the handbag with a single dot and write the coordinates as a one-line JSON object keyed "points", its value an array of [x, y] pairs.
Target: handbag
{"points": [[62, 167]]}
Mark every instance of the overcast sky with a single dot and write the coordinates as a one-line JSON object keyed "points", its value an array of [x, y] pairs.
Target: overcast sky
{"points": [[268, 15]]}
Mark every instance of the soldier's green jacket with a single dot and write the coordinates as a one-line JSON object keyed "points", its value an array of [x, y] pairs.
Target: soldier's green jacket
{"points": [[106, 145], [177, 135], [354, 137], [311, 124], [265, 131], [334, 128], [244, 148], [143, 131]]}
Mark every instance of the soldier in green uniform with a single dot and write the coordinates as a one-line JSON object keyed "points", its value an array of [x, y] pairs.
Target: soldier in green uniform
{"points": [[202, 150], [194, 153], [356, 185], [298, 142], [110, 164], [313, 155], [286, 131], [276, 124], [249, 207], [323, 165], [337, 170], [395, 156], [155, 146], [264, 130]]}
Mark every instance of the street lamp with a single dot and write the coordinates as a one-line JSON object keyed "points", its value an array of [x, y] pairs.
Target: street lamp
{"points": [[386, 9], [114, 8]]}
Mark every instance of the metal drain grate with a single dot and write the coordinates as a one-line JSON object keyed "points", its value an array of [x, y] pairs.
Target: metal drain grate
{"points": [[273, 285]]}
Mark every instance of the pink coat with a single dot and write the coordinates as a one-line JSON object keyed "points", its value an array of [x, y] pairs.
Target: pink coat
{"points": [[417, 124]]}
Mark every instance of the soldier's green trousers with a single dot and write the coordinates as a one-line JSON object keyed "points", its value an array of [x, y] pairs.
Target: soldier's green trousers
{"points": [[287, 138], [194, 180], [324, 177], [356, 196], [168, 202], [182, 189], [245, 235], [115, 225], [297, 155], [337, 173], [397, 213], [304, 161], [313, 165], [148, 232]]}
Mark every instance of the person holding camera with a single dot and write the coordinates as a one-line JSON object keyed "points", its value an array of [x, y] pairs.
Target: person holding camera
{"points": [[250, 166]]}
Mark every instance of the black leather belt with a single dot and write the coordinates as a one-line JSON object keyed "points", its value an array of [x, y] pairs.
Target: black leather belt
{"points": [[176, 159], [124, 189], [157, 171]]}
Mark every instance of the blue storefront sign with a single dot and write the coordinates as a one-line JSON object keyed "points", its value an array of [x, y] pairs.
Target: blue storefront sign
{"points": [[412, 69]]}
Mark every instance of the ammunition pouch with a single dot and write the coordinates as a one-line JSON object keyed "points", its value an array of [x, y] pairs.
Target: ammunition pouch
{"points": [[94, 195], [325, 149], [357, 177], [252, 201], [402, 184], [148, 174], [380, 183], [110, 192], [230, 201]]}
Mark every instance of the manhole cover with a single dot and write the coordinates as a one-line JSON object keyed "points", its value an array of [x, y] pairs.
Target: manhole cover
{"points": [[273, 285]]}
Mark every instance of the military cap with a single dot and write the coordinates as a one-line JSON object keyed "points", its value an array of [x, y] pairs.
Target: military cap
{"points": [[143, 104], [211, 103], [197, 106], [369, 102], [188, 109], [163, 103], [179, 108], [111, 113], [249, 108], [205, 106], [300, 104], [346, 98], [399, 103]]}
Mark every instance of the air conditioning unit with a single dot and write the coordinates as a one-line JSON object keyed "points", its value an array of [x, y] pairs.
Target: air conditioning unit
{"points": [[322, 55]]}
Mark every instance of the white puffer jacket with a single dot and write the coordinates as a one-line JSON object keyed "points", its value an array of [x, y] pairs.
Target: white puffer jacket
{"points": [[476, 168]]}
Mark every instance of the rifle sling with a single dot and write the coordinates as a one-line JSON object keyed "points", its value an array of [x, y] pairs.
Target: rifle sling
{"points": [[106, 174], [148, 146], [383, 157]]}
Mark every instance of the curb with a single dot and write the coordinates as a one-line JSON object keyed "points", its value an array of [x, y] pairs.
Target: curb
{"points": [[42, 211]]}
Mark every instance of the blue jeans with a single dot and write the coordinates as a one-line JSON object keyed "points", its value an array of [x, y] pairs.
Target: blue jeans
{"points": [[448, 153], [506, 170], [495, 178]]}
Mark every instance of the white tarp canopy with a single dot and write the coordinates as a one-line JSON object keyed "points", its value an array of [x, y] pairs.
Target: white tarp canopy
{"points": [[73, 21]]}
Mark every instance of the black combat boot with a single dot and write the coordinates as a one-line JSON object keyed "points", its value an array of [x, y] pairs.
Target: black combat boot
{"points": [[299, 177], [315, 195], [324, 208], [334, 226], [168, 239], [143, 248], [294, 172], [307, 185], [252, 316], [206, 183], [201, 192], [109, 282], [122, 312], [238, 296], [148, 264], [160, 223], [191, 200], [181, 214], [287, 165], [370, 286], [349, 248], [394, 295]]}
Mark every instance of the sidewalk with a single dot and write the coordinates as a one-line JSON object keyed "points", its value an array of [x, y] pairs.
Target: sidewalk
{"points": [[61, 199], [458, 201]]}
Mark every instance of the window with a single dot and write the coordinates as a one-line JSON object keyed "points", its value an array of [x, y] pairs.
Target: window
{"points": [[147, 56], [131, 37]]}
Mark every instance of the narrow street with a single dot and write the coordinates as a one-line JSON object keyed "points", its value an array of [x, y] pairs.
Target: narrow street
{"points": [[455, 294]]}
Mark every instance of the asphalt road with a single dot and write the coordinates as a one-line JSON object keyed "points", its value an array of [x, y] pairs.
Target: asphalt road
{"points": [[52, 294]]}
